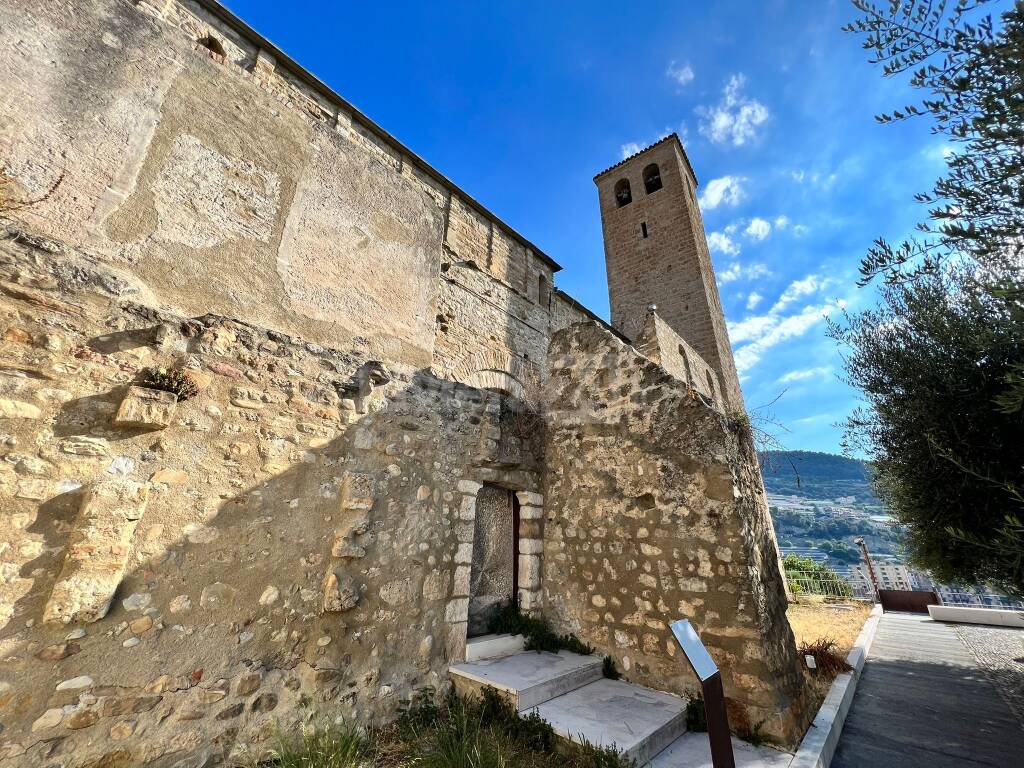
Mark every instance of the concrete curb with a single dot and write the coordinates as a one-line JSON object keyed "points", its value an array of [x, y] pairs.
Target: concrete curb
{"points": [[820, 742], [996, 617]]}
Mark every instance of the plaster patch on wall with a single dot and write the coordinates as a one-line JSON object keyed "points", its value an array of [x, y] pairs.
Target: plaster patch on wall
{"points": [[204, 198], [361, 246]]}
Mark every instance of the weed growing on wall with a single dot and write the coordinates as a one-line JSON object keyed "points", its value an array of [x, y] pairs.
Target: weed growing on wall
{"points": [[175, 382], [509, 620]]}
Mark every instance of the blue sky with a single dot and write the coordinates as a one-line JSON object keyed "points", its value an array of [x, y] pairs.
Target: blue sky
{"points": [[521, 104]]}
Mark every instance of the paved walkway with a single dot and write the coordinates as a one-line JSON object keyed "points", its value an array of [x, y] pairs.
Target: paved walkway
{"points": [[923, 702]]}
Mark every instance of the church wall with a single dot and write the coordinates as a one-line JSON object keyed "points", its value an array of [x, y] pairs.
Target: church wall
{"points": [[656, 513], [296, 535], [228, 183], [175, 577]]}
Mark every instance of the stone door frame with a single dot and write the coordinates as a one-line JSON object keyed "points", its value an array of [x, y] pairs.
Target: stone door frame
{"points": [[530, 546]]}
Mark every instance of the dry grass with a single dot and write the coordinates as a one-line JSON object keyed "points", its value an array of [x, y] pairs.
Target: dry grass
{"points": [[812, 619], [815, 622]]}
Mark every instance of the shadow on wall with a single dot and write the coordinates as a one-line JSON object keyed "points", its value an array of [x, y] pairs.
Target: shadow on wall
{"points": [[219, 628]]}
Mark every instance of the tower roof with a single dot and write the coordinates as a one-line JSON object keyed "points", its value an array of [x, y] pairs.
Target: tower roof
{"points": [[672, 136]]}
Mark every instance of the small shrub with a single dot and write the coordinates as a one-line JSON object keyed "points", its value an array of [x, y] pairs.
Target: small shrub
{"points": [[420, 713], [174, 381], [587, 755], [739, 422], [696, 716], [460, 740], [529, 730], [537, 633], [826, 655], [609, 670], [322, 744]]}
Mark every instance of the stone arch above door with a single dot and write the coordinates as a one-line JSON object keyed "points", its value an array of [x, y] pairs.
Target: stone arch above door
{"points": [[495, 370]]}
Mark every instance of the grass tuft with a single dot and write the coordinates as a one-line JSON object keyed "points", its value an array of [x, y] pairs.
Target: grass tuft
{"points": [[609, 670], [321, 744]]}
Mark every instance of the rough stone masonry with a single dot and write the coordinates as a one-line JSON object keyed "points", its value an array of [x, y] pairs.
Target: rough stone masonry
{"points": [[371, 352]]}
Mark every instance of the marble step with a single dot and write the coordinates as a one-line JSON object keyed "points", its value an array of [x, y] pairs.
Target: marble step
{"points": [[493, 647], [637, 720], [528, 678], [692, 750]]}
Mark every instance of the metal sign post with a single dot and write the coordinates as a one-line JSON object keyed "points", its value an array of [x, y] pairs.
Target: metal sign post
{"points": [[714, 696]]}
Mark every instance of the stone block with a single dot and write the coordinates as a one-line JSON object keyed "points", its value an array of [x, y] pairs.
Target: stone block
{"points": [[530, 499], [357, 490], [457, 610], [435, 586], [529, 571], [531, 546], [469, 487], [527, 512], [142, 407], [464, 554], [460, 587], [530, 599], [467, 508], [97, 554], [340, 593]]}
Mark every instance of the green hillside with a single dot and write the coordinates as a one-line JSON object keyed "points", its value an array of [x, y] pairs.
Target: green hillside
{"points": [[817, 475], [835, 505]]}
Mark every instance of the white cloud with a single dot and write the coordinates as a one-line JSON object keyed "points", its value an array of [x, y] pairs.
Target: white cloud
{"points": [[719, 242], [682, 75], [803, 287], [754, 336], [807, 373], [736, 118], [758, 229], [824, 181], [630, 149], [781, 222], [939, 152], [726, 190], [771, 330], [800, 230], [753, 300], [737, 271]]}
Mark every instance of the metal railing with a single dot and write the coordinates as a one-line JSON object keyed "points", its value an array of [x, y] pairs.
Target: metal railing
{"points": [[811, 583], [975, 600]]}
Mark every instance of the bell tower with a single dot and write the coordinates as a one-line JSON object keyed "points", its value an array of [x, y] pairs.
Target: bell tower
{"points": [[656, 253]]}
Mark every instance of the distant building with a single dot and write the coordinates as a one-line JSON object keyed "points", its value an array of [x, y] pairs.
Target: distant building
{"points": [[889, 576]]}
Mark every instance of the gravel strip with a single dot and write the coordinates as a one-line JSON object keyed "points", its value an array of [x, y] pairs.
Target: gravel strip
{"points": [[1000, 652]]}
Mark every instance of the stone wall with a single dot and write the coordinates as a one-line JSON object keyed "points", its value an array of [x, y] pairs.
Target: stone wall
{"points": [[656, 513], [177, 575], [304, 216], [660, 344]]}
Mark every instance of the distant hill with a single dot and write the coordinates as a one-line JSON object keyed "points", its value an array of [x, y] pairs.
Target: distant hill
{"points": [[817, 475]]}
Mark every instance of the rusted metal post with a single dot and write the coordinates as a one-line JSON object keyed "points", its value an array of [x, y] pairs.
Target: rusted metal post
{"points": [[710, 677], [859, 541]]}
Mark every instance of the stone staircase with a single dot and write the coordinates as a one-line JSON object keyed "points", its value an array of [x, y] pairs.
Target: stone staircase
{"points": [[569, 692]]}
